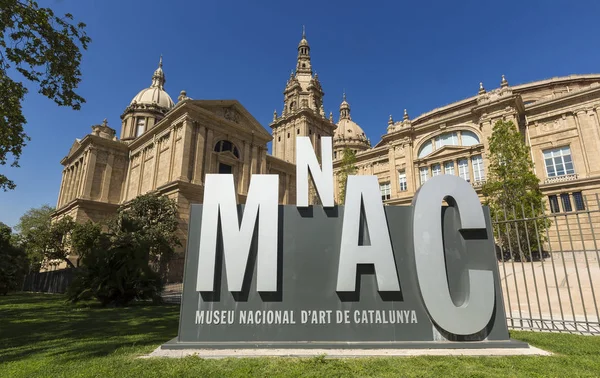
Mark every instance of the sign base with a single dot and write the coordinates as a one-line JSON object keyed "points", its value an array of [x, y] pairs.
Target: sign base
{"points": [[492, 344]]}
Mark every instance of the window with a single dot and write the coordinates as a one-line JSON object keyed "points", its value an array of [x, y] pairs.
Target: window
{"points": [[141, 127], [279, 138], [425, 149], [403, 185], [385, 191], [478, 171], [558, 162], [225, 145], [448, 139], [298, 131], [579, 203], [463, 169], [553, 204], [335, 154], [225, 168], [436, 169], [566, 202], [288, 135], [468, 138], [449, 167], [424, 174]]}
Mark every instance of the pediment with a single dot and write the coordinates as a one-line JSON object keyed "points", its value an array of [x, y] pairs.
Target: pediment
{"points": [[233, 111], [74, 147], [446, 150]]}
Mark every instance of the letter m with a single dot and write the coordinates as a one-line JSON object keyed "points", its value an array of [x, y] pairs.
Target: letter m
{"points": [[220, 204]]}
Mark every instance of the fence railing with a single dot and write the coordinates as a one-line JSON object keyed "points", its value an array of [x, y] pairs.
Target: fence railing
{"points": [[55, 281], [549, 264]]}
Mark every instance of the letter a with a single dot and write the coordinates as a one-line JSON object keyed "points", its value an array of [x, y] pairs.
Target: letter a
{"points": [[365, 190], [220, 201]]}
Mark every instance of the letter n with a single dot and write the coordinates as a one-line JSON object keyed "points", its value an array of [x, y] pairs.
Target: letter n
{"points": [[220, 203], [322, 178]]}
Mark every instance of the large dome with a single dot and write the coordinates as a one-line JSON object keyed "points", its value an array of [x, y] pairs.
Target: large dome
{"points": [[155, 94]]}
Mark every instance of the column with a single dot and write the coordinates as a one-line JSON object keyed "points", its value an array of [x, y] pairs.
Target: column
{"points": [[263, 161], [254, 167], [71, 182], [246, 168], [579, 119], [156, 161], [184, 169], [171, 153], [393, 172], [125, 190], [107, 178], [80, 168], [471, 175], [208, 151], [199, 155], [89, 177], [141, 169], [61, 190]]}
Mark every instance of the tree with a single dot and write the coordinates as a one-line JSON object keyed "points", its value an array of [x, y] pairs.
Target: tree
{"points": [[45, 49], [152, 220], [348, 167], [13, 266], [513, 193], [32, 228]]}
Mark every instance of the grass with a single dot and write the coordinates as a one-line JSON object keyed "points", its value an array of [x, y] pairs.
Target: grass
{"points": [[41, 336]]}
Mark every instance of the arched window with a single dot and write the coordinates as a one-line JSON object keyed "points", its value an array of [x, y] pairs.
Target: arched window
{"points": [[469, 138], [225, 145], [425, 149]]}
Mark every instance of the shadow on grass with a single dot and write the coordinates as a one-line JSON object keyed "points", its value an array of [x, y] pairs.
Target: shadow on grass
{"points": [[32, 325]]}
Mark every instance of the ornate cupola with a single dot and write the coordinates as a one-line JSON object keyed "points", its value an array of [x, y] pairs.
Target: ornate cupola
{"points": [[348, 134], [147, 108]]}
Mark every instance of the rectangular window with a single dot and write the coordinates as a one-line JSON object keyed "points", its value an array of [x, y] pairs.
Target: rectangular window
{"points": [[403, 185], [141, 127], [463, 169], [385, 190], [478, 171], [553, 204], [424, 174], [449, 167], [566, 202], [579, 203], [558, 162], [436, 169], [335, 154]]}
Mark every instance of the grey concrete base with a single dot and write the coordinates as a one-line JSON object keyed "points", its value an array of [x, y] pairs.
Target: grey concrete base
{"points": [[342, 353], [495, 344]]}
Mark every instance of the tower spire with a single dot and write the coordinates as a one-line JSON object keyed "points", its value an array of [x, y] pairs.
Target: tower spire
{"points": [[303, 32], [158, 78]]}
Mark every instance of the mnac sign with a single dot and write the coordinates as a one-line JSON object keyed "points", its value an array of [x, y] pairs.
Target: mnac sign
{"points": [[362, 275]]}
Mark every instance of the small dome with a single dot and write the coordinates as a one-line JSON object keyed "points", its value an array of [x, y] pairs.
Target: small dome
{"points": [[153, 95], [303, 42]]}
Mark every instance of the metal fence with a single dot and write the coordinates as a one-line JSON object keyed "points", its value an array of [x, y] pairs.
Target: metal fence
{"points": [[549, 265]]}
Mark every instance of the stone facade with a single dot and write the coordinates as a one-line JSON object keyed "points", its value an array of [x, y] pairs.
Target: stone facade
{"points": [[169, 147]]}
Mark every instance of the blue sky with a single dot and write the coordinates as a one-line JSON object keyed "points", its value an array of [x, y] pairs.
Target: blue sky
{"points": [[387, 55]]}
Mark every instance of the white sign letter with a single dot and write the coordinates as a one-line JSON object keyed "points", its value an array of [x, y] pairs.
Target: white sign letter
{"points": [[220, 200], [476, 311], [365, 190], [323, 179]]}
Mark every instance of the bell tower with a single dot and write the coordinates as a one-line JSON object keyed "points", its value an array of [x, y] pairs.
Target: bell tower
{"points": [[303, 113]]}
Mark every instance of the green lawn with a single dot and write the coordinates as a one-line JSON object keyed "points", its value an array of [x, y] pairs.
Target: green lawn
{"points": [[41, 336]]}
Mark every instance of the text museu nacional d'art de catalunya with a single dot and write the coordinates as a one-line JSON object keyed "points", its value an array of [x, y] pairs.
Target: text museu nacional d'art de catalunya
{"points": [[288, 271]]}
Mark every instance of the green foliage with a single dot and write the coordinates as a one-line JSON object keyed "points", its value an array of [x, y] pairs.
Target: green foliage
{"points": [[44, 49], [116, 272], [513, 194], [43, 240], [152, 220], [85, 237], [13, 262], [348, 168]]}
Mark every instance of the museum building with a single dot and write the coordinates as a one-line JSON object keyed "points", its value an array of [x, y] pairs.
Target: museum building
{"points": [[168, 147]]}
